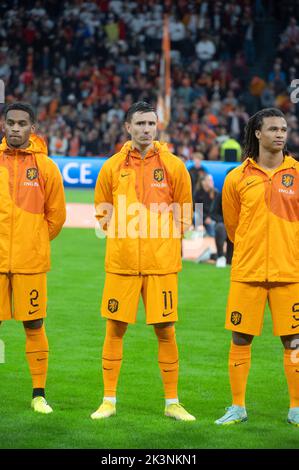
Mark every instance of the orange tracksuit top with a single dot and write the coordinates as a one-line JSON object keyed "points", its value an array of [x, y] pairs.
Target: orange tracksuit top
{"points": [[261, 215], [160, 177], [32, 207]]}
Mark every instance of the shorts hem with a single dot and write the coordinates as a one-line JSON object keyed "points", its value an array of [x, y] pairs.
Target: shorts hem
{"points": [[130, 322], [243, 331], [159, 322], [23, 319], [289, 333], [40, 317]]}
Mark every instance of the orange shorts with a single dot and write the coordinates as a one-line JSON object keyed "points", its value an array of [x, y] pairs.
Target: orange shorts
{"points": [[23, 296], [247, 301], [122, 293]]}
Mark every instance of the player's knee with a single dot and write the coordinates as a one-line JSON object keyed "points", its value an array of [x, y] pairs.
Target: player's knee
{"points": [[33, 324], [290, 341], [164, 330], [242, 339], [163, 325], [116, 328]]}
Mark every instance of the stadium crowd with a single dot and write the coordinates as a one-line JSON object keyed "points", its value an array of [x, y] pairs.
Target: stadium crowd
{"points": [[83, 63]]}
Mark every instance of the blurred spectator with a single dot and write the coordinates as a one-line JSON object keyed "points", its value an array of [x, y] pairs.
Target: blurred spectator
{"points": [[220, 233], [197, 171], [204, 193], [74, 150], [230, 150], [268, 96], [92, 143], [58, 144], [205, 49], [237, 119], [278, 78], [291, 34]]}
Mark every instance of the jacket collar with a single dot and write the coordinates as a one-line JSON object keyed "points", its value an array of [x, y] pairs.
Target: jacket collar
{"points": [[36, 145], [288, 162], [127, 151], [157, 147]]}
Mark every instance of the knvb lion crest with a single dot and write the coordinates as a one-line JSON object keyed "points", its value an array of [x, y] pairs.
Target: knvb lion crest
{"points": [[32, 173], [236, 318], [112, 305], [159, 174], [287, 180]]}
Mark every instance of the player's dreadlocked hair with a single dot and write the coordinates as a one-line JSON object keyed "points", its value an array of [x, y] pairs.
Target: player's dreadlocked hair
{"points": [[251, 143]]}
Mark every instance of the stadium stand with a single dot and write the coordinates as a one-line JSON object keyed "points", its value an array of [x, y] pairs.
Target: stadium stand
{"points": [[83, 63]]}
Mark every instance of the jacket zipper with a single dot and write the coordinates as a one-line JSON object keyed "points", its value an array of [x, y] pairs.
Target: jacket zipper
{"points": [[268, 219], [141, 200], [15, 167], [268, 227]]}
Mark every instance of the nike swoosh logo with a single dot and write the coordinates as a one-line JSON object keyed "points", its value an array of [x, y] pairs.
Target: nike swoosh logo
{"points": [[249, 182], [295, 326], [43, 359], [127, 174], [34, 311], [240, 363], [166, 314], [106, 368]]}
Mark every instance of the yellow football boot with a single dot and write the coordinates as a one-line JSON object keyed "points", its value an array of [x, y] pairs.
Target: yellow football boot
{"points": [[40, 405], [177, 411], [106, 410]]}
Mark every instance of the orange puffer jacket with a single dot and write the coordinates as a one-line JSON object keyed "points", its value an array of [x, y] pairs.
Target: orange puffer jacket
{"points": [[127, 182], [261, 215], [32, 207]]}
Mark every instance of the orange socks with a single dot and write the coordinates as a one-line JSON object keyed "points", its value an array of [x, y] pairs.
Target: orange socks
{"points": [[168, 360], [239, 365], [112, 355], [292, 375], [37, 351]]}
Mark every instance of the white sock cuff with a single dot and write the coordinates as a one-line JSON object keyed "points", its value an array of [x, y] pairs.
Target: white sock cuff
{"points": [[112, 399], [171, 401]]}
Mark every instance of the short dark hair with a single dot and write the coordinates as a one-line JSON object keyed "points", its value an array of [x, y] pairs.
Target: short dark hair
{"points": [[251, 144], [20, 106], [139, 107]]}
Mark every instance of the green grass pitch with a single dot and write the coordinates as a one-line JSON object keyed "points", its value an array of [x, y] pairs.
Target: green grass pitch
{"points": [[74, 387]]}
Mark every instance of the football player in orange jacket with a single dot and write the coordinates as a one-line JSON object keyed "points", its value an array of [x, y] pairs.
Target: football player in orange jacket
{"points": [[144, 177], [260, 203], [32, 212]]}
